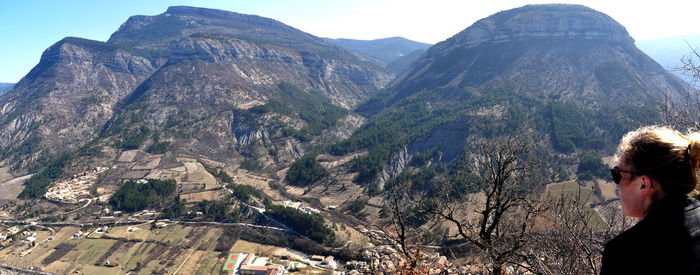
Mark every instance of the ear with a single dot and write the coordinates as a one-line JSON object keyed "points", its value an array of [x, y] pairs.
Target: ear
{"points": [[647, 186]]}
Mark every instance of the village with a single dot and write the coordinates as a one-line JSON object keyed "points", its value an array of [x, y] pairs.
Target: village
{"points": [[20, 240], [75, 189]]}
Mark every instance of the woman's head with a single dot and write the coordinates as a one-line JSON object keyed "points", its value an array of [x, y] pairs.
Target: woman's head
{"points": [[664, 155]]}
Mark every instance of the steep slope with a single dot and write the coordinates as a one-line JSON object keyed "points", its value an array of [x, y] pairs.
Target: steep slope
{"points": [[158, 32], [572, 51], [66, 99], [566, 76], [188, 60]]}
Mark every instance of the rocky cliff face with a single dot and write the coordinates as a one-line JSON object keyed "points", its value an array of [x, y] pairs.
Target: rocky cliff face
{"points": [[258, 67], [553, 21], [68, 96], [190, 69], [551, 50]]}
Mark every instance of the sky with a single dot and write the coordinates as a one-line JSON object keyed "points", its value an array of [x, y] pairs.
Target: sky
{"points": [[28, 27]]}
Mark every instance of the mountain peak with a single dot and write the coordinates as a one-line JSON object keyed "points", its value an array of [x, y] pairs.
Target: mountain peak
{"points": [[542, 50], [182, 21], [542, 22]]}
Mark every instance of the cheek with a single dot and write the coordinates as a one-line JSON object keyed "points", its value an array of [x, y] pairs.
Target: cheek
{"points": [[629, 203]]}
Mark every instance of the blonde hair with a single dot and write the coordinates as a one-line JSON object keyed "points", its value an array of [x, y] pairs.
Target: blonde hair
{"points": [[663, 154]]}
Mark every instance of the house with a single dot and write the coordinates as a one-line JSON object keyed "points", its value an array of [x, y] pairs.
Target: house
{"points": [[317, 258], [274, 270], [105, 198], [13, 230], [253, 270], [328, 261], [248, 260], [6, 242]]}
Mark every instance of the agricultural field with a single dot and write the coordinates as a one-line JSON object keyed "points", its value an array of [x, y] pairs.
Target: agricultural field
{"points": [[242, 246], [347, 233], [573, 189], [137, 232], [201, 196], [186, 249], [10, 186]]}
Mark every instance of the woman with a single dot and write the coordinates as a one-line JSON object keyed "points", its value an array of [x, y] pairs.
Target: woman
{"points": [[655, 172]]}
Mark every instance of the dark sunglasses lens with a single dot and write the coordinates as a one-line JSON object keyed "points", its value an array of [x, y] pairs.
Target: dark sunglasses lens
{"points": [[616, 176]]}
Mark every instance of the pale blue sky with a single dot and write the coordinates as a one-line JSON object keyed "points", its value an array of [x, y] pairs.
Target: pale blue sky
{"points": [[28, 27]]}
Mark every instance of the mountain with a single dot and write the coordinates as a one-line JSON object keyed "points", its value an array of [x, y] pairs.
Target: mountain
{"points": [[206, 80], [4, 87], [397, 52], [551, 51], [669, 51], [565, 76], [68, 97], [400, 64]]}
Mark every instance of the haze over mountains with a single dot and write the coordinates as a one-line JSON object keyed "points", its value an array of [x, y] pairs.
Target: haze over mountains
{"points": [[4, 87], [397, 52], [330, 122], [669, 51]]}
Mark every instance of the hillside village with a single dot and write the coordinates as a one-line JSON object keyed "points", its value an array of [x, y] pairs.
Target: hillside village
{"points": [[42, 237], [203, 141]]}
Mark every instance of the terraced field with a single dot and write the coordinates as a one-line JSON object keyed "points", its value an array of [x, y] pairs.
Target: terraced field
{"points": [[186, 249]]}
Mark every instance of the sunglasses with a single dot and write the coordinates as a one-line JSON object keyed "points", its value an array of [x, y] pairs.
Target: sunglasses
{"points": [[616, 174]]}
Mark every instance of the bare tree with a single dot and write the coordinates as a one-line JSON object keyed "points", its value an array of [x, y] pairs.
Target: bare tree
{"points": [[690, 66], [504, 217], [683, 111], [409, 229], [497, 219], [570, 236]]}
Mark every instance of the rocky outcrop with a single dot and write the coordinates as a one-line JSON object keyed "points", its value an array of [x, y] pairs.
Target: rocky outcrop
{"points": [[395, 167], [68, 97], [265, 66]]}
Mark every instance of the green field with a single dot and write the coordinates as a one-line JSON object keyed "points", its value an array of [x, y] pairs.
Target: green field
{"points": [[93, 249], [573, 189]]}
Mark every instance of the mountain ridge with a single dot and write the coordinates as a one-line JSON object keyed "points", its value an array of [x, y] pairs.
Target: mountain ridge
{"points": [[496, 40], [573, 92], [80, 87]]}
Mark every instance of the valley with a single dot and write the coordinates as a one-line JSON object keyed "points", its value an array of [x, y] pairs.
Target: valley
{"points": [[203, 141]]}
